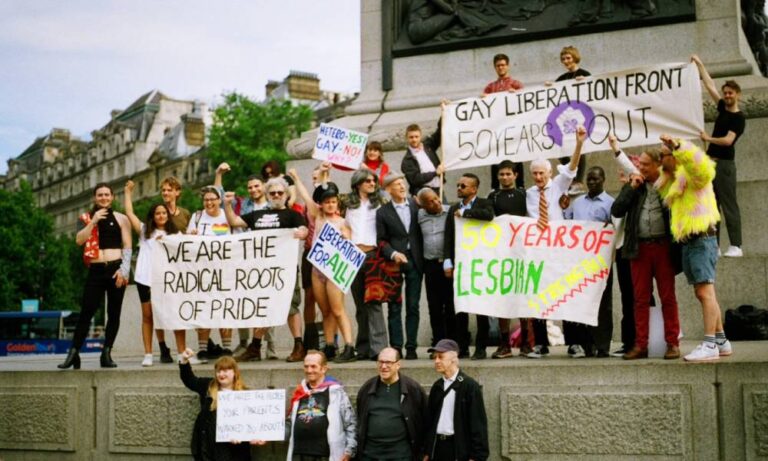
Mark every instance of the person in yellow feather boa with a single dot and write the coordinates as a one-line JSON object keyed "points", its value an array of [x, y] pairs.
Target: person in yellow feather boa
{"points": [[685, 185]]}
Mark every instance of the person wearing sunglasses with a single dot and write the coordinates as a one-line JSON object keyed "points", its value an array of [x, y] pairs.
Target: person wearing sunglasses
{"points": [[469, 206], [277, 216]]}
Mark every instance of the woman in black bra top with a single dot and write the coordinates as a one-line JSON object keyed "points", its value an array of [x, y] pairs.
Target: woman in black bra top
{"points": [[106, 237]]}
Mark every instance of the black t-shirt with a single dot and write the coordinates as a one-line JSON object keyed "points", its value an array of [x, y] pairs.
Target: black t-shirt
{"points": [[725, 122], [508, 201], [273, 219], [310, 430], [571, 75]]}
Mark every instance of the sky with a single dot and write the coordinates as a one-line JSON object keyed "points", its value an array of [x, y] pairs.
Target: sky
{"points": [[67, 64]]}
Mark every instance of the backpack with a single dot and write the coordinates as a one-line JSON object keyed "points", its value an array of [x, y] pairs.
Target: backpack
{"points": [[746, 323]]}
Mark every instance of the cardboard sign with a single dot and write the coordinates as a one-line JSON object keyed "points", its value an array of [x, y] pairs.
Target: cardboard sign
{"points": [[250, 415], [340, 146], [336, 257]]}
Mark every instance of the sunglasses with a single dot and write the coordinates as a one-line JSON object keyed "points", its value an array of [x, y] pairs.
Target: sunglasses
{"points": [[276, 193], [462, 186], [370, 181]]}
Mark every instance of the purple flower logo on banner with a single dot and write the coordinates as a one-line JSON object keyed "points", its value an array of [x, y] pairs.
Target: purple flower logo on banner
{"points": [[566, 118]]}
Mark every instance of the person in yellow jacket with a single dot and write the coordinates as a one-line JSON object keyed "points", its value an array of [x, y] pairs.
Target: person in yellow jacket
{"points": [[686, 188]]}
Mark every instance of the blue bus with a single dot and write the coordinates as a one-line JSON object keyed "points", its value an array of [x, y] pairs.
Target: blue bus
{"points": [[45, 332]]}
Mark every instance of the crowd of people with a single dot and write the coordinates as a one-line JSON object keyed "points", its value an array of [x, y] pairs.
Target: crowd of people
{"points": [[669, 206]]}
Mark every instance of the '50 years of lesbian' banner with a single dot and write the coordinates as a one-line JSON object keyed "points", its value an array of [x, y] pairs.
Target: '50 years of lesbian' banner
{"points": [[509, 268], [540, 122], [234, 281]]}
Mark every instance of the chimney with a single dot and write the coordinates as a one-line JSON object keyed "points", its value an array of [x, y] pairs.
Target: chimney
{"points": [[303, 85], [270, 87], [115, 113], [194, 126]]}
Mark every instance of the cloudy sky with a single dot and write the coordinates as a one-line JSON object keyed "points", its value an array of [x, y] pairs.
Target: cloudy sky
{"points": [[68, 63]]}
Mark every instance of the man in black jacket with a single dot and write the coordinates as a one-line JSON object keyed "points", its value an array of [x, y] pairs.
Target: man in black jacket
{"points": [[457, 426], [421, 165], [473, 207], [649, 248], [399, 237], [390, 413]]}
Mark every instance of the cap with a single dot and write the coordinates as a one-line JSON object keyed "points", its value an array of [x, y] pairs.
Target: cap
{"points": [[321, 193], [391, 177], [444, 345]]}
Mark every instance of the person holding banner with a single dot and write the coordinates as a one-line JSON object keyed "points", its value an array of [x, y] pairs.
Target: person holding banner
{"points": [[107, 247], [594, 206], [432, 219], [227, 378], [359, 208], [277, 216], [399, 237], [321, 423], [153, 228], [648, 247], [470, 206], [686, 187], [421, 165], [212, 222], [328, 296], [170, 191], [541, 202], [729, 126], [509, 200]]}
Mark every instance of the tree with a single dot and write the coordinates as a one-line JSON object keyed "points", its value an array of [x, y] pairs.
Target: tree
{"points": [[34, 262], [246, 134]]}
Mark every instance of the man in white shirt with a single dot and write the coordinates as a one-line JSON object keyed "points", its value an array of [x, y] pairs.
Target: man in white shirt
{"points": [[542, 204]]}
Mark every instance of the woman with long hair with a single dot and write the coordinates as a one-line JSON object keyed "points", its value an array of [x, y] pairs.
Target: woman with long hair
{"points": [[328, 296], [155, 226], [226, 378], [106, 237]]}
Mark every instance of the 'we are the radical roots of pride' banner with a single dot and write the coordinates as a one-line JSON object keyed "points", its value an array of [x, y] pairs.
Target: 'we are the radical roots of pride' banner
{"points": [[509, 268], [234, 281], [636, 106]]}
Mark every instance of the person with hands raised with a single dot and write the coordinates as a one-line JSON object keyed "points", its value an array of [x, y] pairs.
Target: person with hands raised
{"points": [[105, 235], [226, 378]]}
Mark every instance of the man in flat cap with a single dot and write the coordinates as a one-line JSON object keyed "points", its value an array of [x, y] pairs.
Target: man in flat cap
{"points": [[457, 426]]}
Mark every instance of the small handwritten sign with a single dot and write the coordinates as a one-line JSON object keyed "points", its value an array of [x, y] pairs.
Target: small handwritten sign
{"points": [[336, 257], [340, 146], [250, 415]]}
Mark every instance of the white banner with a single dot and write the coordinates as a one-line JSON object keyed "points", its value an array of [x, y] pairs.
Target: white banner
{"points": [[336, 257], [234, 281], [508, 268], [636, 106], [250, 415], [340, 146]]}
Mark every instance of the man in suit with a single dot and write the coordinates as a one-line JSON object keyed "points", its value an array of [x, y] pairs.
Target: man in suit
{"points": [[421, 165], [473, 207], [399, 236]]}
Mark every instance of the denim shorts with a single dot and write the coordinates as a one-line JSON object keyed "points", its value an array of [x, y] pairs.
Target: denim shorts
{"points": [[700, 260]]}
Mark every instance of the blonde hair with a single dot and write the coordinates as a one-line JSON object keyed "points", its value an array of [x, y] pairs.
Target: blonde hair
{"points": [[225, 363], [573, 52]]}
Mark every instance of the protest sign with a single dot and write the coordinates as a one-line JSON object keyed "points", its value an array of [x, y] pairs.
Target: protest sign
{"points": [[250, 415], [540, 122], [509, 268], [336, 257], [340, 146], [234, 281]]}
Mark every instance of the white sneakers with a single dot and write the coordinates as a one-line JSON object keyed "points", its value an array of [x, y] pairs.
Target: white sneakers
{"points": [[733, 252], [147, 362], [705, 352], [725, 349]]}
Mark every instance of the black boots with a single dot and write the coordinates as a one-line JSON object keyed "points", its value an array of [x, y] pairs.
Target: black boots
{"points": [[106, 358], [165, 354], [72, 360]]}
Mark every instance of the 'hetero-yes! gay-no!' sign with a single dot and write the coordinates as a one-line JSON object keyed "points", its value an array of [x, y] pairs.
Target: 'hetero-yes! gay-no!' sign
{"points": [[340, 146]]}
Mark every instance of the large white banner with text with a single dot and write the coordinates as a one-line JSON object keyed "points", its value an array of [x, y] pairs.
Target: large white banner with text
{"points": [[635, 105], [509, 268], [234, 281]]}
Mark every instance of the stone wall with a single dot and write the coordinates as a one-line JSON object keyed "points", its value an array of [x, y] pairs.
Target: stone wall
{"points": [[553, 410]]}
